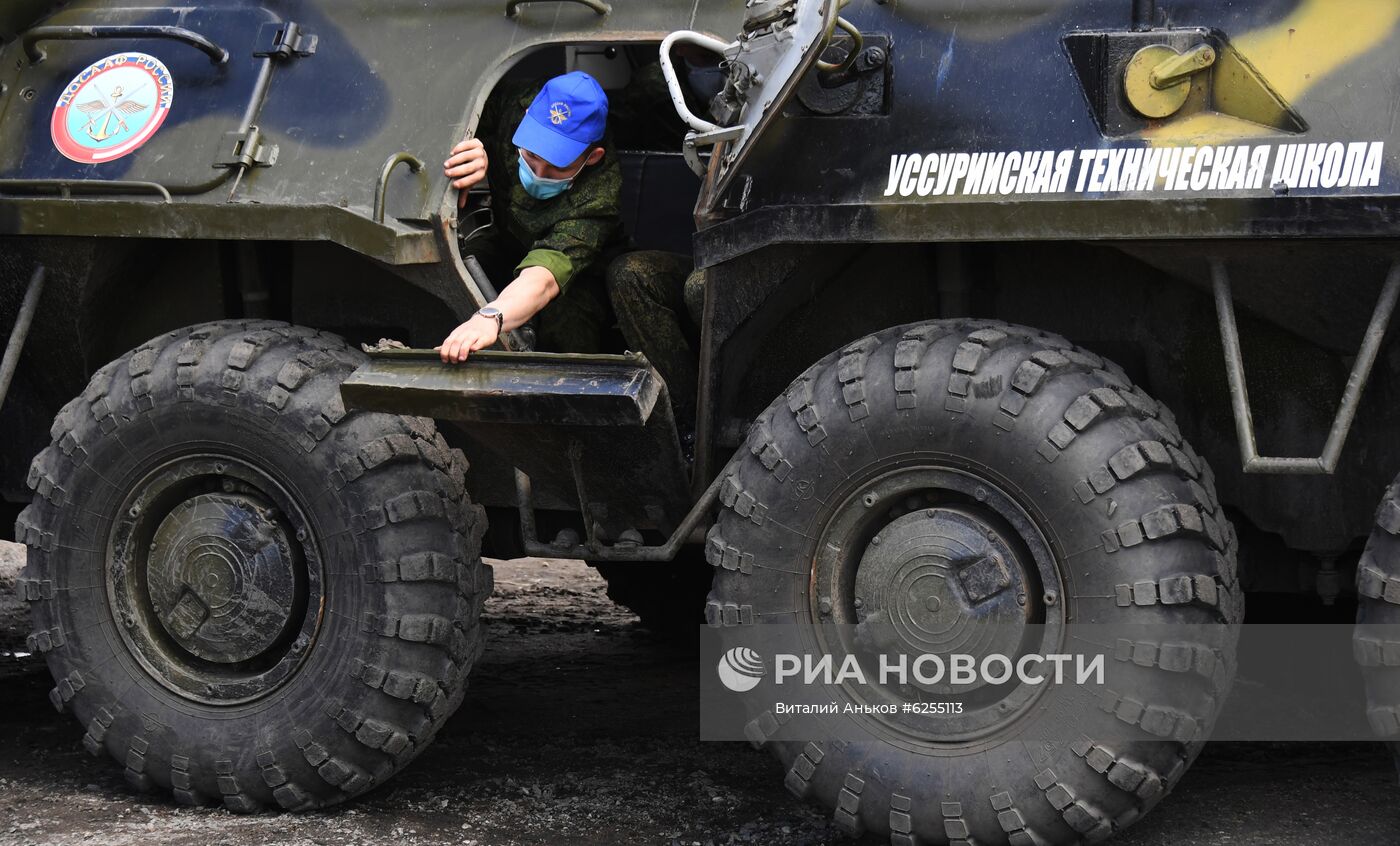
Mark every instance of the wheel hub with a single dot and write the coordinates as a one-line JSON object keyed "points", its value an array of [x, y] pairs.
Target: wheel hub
{"points": [[214, 578], [221, 577], [940, 580], [918, 559]]}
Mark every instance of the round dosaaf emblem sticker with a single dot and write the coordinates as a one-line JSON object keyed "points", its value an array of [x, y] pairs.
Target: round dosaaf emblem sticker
{"points": [[112, 108]]}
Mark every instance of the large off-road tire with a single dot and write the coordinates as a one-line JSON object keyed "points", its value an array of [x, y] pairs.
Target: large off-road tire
{"points": [[668, 598], [247, 594], [1377, 649], [987, 438]]}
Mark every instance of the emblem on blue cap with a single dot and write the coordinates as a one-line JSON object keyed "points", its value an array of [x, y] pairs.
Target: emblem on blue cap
{"points": [[569, 115]]}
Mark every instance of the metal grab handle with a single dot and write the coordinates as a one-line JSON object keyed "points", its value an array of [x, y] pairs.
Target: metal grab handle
{"points": [[858, 44], [414, 164], [31, 39], [602, 8], [673, 83]]}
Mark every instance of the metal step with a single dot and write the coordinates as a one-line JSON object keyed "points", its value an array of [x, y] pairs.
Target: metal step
{"points": [[596, 430], [562, 389]]}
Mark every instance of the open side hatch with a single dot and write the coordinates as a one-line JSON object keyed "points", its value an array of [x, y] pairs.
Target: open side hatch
{"points": [[780, 42]]}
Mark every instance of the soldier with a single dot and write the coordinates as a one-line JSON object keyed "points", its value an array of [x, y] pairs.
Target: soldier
{"points": [[557, 207], [562, 215]]}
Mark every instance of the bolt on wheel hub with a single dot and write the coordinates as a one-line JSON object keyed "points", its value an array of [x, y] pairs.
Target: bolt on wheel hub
{"points": [[221, 577]]}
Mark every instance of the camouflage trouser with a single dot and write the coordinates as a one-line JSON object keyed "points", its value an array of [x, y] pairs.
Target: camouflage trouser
{"points": [[658, 302], [573, 322]]}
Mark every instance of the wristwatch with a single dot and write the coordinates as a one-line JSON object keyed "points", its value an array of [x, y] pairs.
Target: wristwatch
{"points": [[492, 311]]}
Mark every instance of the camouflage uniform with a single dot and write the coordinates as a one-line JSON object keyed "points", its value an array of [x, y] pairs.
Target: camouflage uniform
{"points": [[659, 302], [573, 235]]}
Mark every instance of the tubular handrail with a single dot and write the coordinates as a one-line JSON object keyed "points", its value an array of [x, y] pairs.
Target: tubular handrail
{"points": [[673, 83], [602, 8], [65, 187], [31, 39], [382, 189]]}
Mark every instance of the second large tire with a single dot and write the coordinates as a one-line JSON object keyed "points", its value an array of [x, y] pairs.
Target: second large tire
{"points": [[938, 436]]}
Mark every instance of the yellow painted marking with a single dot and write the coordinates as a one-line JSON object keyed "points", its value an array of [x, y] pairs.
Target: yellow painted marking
{"points": [[1319, 38], [1293, 55]]}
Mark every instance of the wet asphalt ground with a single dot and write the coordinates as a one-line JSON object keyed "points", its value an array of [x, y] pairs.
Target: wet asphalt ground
{"points": [[580, 728]]}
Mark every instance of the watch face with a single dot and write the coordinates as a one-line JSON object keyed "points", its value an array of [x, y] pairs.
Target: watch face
{"points": [[490, 311]]}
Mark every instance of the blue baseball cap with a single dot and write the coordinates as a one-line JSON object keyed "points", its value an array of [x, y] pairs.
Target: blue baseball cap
{"points": [[567, 117]]}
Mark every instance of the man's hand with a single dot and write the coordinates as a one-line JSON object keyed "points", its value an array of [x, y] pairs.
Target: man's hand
{"points": [[476, 334], [466, 167], [522, 299]]}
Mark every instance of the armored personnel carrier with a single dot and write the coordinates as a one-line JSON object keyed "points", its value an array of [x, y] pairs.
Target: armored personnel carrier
{"points": [[990, 276]]}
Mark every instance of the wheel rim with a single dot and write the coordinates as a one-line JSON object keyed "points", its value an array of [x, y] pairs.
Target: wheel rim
{"points": [[932, 559], [214, 578]]}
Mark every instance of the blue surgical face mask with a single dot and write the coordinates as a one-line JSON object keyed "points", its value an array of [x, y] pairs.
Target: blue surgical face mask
{"points": [[541, 188]]}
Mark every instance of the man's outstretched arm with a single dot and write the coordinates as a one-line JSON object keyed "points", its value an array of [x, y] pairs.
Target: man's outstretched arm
{"points": [[522, 299]]}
